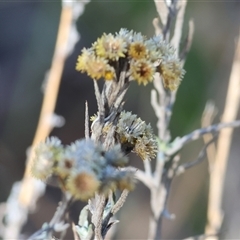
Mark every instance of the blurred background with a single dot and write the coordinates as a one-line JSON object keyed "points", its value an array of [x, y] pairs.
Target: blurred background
{"points": [[27, 38]]}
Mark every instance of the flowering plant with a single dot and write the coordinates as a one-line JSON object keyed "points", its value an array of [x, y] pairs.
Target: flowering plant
{"points": [[96, 169]]}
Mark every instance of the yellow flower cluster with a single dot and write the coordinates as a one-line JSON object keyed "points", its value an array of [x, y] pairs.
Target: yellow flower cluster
{"points": [[82, 168], [143, 58], [135, 135]]}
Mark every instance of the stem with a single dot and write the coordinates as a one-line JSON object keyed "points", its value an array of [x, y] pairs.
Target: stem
{"points": [[153, 223], [217, 176], [49, 100], [30, 189]]}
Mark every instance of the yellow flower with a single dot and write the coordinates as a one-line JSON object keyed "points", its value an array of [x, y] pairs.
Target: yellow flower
{"points": [[83, 59], [82, 185], [137, 50], [134, 134], [109, 74], [96, 67], [142, 71], [146, 147], [110, 47], [172, 74]]}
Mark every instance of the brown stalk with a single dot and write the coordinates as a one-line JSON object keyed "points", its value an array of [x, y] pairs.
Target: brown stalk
{"points": [[49, 101], [208, 116], [217, 176], [29, 189]]}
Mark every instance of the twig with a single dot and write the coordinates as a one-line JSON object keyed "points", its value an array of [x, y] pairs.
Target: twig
{"points": [[208, 116], [181, 6], [147, 167], [155, 23], [163, 110], [188, 42], [98, 96], [157, 202], [202, 154], [162, 10], [148, 181], [166, 183], [179, 143], [172, 11], [120, 202], [215, 214], [161, 158], [56, 223], [87, 134], [159, 105], [97, 124], [75, 234], [97, 216]]}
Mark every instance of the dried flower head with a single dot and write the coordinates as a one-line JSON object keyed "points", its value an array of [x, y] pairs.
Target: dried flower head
{"points": [[137, 50], [96, 67], [110, 47], [46, 155], [142, 71], [83, 59], [42, 167], [146, 147], [135, 135], [82, 184], [172, 73], [129, 127]]}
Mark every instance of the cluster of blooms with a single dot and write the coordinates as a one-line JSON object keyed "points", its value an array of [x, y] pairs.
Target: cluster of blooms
{"points": [[82, 168], [135, 134], [143, 58]]}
